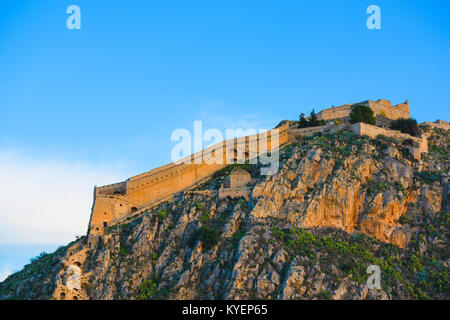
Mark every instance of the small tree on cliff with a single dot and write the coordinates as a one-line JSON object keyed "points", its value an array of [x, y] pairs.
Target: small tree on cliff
{"points": [[303, 123], [362, 113], [408, 126], [313, 121]]}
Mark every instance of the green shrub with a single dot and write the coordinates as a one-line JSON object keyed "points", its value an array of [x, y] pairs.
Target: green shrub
{"points": [[154, 258], [400, 187], [207, 235], [238, 236], [312, 121], [303, 123], [199, 205], [148, 289], [362, 113], [161, 214], [427, 176], [204, 217], [41, 255], [325, 295], [408, 126], [381, 187], [123, 250], [404, 219]]}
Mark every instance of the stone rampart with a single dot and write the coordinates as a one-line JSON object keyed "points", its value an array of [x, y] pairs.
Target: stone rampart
{"points": [[420, 145], [439, 124], [235, 192], [115, 201], [381, 107], [296, 133]]}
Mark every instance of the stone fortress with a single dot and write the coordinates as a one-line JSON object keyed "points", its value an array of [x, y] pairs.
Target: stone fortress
{"points": [[116, 202], [381, 108], [120, 201]]}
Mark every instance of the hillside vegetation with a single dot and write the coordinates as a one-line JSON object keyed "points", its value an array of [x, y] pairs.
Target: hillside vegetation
{"points": [[339, 203]]}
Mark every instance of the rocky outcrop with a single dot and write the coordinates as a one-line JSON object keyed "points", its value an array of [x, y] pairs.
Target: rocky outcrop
{"points": [[339, 204], [313, 193]]}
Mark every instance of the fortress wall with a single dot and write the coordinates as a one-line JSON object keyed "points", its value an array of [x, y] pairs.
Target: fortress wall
{"points": [[382, 121], [381, 107], [108, 208], [193, 172], [311, 130], [384, 102], [144, 189], [202, 192], [125, 217], [403, 107], [235, 192], [118, 188], [283, 134], [102, 205], [335, 113], [395, 112], [439, 124], [152, 172], [420, 144]]}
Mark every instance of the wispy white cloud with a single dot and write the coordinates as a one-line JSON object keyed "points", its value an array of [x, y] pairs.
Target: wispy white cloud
{"points": [[46, 201]]}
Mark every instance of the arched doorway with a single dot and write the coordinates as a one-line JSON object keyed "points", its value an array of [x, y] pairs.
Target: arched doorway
{"points": [[62, 296], [134, 209]]}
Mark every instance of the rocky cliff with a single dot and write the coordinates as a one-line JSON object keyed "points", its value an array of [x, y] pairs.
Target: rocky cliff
{"points": [[338, 204]]}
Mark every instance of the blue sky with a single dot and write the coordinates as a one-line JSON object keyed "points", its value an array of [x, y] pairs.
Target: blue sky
{"points": [[97, 105]]}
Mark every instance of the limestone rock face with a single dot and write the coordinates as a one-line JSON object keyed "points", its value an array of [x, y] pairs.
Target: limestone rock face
{"points": [[321, 197], [294, 279], [338, 204]]}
